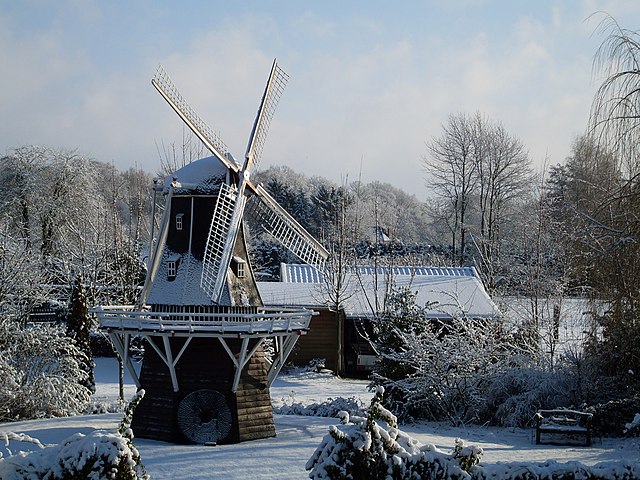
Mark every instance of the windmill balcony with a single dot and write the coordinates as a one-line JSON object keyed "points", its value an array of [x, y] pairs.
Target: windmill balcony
{"points": [[236, 322]]}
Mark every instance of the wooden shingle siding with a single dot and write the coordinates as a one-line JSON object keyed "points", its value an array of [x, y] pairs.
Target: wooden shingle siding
{"points": [[204, 365]]}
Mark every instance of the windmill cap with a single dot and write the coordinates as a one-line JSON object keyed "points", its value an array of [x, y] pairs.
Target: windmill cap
{"points": [[202, 176]]}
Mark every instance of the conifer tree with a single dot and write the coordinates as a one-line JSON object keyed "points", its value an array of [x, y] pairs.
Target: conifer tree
{"points": [[79, 327]]}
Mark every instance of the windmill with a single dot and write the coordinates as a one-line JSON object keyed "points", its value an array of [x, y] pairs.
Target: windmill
{"points": [[205, 372]]}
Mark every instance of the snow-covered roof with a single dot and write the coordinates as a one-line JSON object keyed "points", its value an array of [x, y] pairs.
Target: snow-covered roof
{"points": [[303, 273], [447, 291], [202, 176], [184, 288]]}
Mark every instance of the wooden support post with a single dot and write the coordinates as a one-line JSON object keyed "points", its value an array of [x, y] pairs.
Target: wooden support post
{"points": [[239, 364], [169, 362], [285, 349], [122, 347]]}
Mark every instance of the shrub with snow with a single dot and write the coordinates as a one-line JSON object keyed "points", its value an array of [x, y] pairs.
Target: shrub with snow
{"points": [[97, 456], [611, 417], [434, 369], [632, 429], [374, 448], [42, 373], [553, 470], [329, 408], [516, 394]]}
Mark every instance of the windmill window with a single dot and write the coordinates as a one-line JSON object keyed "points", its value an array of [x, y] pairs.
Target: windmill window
{"points": [[171, 270], [239, 267], [172, 266], [179, 221]]}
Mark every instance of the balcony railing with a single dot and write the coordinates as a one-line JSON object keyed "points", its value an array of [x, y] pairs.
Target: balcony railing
{"points": [[264, 320]]}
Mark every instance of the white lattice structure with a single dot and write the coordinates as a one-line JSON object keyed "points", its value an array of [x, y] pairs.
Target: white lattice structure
{"points": [[211, 280]]}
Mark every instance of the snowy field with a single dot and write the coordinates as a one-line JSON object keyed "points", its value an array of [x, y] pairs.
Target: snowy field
{"points": [[284, 456]]}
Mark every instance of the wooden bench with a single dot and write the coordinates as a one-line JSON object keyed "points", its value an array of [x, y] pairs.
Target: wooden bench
{"points": [[565, 423]]}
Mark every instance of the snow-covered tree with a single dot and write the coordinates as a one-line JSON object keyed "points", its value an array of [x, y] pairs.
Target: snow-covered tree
{"points": [[79, 328], [614, 241], [375, 448], [43, 372], [434, 368]]}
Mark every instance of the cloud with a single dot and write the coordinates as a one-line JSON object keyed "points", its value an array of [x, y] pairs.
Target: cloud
{"points": [[368, 87]]}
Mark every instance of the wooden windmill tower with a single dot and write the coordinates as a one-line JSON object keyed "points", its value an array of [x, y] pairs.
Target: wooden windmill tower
{"points": [[204, 371]]}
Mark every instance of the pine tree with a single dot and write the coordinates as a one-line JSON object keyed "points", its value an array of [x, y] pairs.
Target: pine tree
{"points": [[79, 326]]}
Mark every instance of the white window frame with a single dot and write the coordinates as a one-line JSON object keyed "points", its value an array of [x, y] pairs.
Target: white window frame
{"points": [[179, 221], [172, 269], [241, 269]]}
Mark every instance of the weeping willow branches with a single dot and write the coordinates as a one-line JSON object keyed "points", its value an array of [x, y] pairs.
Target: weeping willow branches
{"points": [[615, 112]]}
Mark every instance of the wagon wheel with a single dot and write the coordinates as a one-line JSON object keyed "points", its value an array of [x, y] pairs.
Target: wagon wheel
{"points": [[204, 417]]}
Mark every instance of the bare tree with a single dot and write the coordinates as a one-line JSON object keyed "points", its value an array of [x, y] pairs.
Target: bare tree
{"points": [[615, 111], [336, 287], [479, 170], [504, 176], [452, 173], [173, 157]]}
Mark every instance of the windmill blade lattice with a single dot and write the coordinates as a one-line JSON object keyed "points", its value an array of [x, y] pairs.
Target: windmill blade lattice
{"points": [[275, 86], [212, 277], [221, 252], [281, 225], [211, 140]]}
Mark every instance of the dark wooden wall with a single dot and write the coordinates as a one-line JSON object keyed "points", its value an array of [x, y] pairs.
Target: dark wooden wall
{"points": [[320, 342], [204, 365]]}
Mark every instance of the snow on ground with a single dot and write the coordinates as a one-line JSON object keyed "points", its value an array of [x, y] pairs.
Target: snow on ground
{"points": [[106, 375], [284, 456]]}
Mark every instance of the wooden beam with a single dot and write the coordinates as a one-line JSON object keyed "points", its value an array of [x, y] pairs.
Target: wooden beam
{"points": [[122, 347], [286, 346]]}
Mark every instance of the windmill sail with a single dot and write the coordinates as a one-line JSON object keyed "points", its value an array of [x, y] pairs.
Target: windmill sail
{"points": [[230, 205], [212, 279], [223, 234], [211, 140], [275, 86], [282, 226]]}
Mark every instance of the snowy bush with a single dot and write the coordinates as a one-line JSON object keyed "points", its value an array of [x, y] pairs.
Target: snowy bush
{"points": [[97, 455], [329, 408], [374, 448], [611, 417], [517, 393], [434, 368], [41, 373], [553, 470], [100, 407], [632, 428]]}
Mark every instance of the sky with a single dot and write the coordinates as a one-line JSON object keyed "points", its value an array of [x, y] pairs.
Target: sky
{"points": [[371, 81]]}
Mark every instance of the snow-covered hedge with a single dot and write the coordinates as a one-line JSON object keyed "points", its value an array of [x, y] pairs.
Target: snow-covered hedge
{"points": [[374, 448], [98, 455], [611, 417], [329, 408], [552, 470]]}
